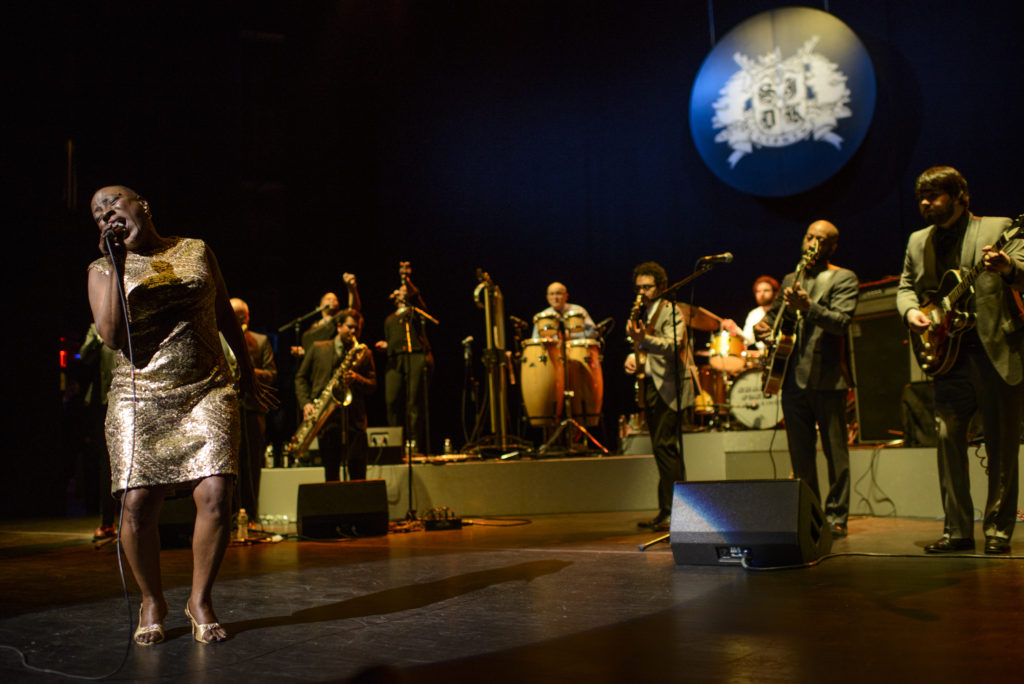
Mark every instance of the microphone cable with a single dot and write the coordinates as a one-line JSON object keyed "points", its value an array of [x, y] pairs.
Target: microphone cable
{"points": [[120, 520]]}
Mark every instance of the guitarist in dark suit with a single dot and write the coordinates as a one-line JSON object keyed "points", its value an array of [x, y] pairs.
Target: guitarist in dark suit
{"points": [[987, 372], [817, 377]]}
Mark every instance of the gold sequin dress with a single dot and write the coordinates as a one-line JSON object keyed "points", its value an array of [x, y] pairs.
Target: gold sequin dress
{"points": [[182, 403]]}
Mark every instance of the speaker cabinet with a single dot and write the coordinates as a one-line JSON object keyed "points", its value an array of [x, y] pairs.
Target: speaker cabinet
{"points": [[328, 510], [882, 364], [769, 522]]}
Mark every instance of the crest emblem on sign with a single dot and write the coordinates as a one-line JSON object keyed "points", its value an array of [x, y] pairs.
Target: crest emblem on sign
{"points": [[776, 102]]}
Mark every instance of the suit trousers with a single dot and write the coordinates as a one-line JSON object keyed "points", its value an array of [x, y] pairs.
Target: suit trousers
{"points": [[664, 424], [404, 387], [339, 446], [973, 384], [804, 409]]}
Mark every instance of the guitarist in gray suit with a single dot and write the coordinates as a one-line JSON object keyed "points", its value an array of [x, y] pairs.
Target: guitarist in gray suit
{"points": [[817, 378], [660, 337], [986, 371]]}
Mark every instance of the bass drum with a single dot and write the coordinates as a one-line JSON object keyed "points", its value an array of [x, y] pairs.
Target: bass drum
{"points": [[751, 406], [586, 380], [542, 380]]}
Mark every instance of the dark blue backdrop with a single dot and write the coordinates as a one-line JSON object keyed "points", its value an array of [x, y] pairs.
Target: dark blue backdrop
{"points": [[537, 140]]}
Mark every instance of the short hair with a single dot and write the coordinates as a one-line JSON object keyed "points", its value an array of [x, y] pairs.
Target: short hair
{"points": [[943, 179], [766, 279], [654, 269], [351, 313]]}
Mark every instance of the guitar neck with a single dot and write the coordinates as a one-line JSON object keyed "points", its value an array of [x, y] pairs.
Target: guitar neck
{"points": [[967, 281]]}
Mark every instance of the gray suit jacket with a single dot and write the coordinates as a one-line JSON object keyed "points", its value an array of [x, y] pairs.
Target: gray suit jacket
{"points": [[660, 346], [998, 318], [819, 361]]}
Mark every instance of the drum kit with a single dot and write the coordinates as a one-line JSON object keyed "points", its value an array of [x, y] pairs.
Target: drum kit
{"points": [[733, 380], [560, 373]]}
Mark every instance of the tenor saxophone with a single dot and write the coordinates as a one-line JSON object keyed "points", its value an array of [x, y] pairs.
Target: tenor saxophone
{"points": [[324, 405]]}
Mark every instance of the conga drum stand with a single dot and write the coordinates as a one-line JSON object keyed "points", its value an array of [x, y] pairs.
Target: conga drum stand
{"points": [[567, 396]]}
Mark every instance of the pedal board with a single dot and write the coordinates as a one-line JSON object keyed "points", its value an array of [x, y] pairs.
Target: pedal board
{"points": [[441, 519]]}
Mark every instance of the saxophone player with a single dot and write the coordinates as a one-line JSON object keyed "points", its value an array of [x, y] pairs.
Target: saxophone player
{"points": [[343, 437]]}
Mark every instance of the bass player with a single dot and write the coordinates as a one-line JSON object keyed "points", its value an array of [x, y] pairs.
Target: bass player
{"points": [[816, 376], [987, 370]]}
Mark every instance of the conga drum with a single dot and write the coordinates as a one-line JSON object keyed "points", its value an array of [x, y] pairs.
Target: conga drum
{"points": [[575, 322], [546, 325], [541, 379], [586, 380]]}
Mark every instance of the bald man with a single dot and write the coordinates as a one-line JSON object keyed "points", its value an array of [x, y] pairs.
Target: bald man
{"points": [[817, 377], [254, 416], [558, 303]]}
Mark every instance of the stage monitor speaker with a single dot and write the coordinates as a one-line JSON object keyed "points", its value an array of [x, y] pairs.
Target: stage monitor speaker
{"points": [[768, 522], [328, 510], [177, 520]]}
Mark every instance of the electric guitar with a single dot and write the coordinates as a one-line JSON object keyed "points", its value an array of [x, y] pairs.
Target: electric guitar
{"points": [[783, 338], [636, 314], [937, 347]]}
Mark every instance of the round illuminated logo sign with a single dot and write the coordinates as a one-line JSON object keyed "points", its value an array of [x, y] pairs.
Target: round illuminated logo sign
{"points": [[782, 102]]}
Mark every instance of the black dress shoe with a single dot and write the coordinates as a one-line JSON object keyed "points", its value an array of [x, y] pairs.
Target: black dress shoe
{"points": [[996, 545], [948, 545], [838, 530], [655, 523]]}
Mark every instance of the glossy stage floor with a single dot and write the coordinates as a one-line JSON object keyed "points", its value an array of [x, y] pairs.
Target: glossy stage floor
{"points": [[549, 598]]}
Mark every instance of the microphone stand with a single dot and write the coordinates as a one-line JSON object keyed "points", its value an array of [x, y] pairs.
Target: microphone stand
{"points": [[296, 322], [407, 312], [296, 326]]}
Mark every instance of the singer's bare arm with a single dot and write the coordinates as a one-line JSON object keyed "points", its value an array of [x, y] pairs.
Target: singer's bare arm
{"points": [[105, 301]]}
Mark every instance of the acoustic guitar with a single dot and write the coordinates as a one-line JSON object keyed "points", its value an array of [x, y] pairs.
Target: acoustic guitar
{"points": [[783, 338]]}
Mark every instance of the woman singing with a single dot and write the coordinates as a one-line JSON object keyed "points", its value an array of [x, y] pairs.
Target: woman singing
{"points": [[172, 417]]}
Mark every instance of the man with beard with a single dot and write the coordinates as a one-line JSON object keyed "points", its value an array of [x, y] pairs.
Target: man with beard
{"points": [[987, 374]]}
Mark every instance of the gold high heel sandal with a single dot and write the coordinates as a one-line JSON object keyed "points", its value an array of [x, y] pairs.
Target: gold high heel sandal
{"points": [[199, 631], [155, 628]]}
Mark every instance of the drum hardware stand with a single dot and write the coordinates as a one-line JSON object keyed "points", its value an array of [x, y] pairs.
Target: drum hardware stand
{"points": [[567, 397]]}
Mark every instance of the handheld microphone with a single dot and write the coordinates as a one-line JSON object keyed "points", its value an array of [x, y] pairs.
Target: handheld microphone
{"points": [[723, 258], [113, 233]]}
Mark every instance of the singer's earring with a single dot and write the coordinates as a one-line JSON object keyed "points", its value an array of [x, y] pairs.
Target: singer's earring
{"points": [[145, 210]]}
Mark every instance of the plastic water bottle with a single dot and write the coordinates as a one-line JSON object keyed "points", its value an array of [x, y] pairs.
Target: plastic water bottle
{"points": [[242, 533]]}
